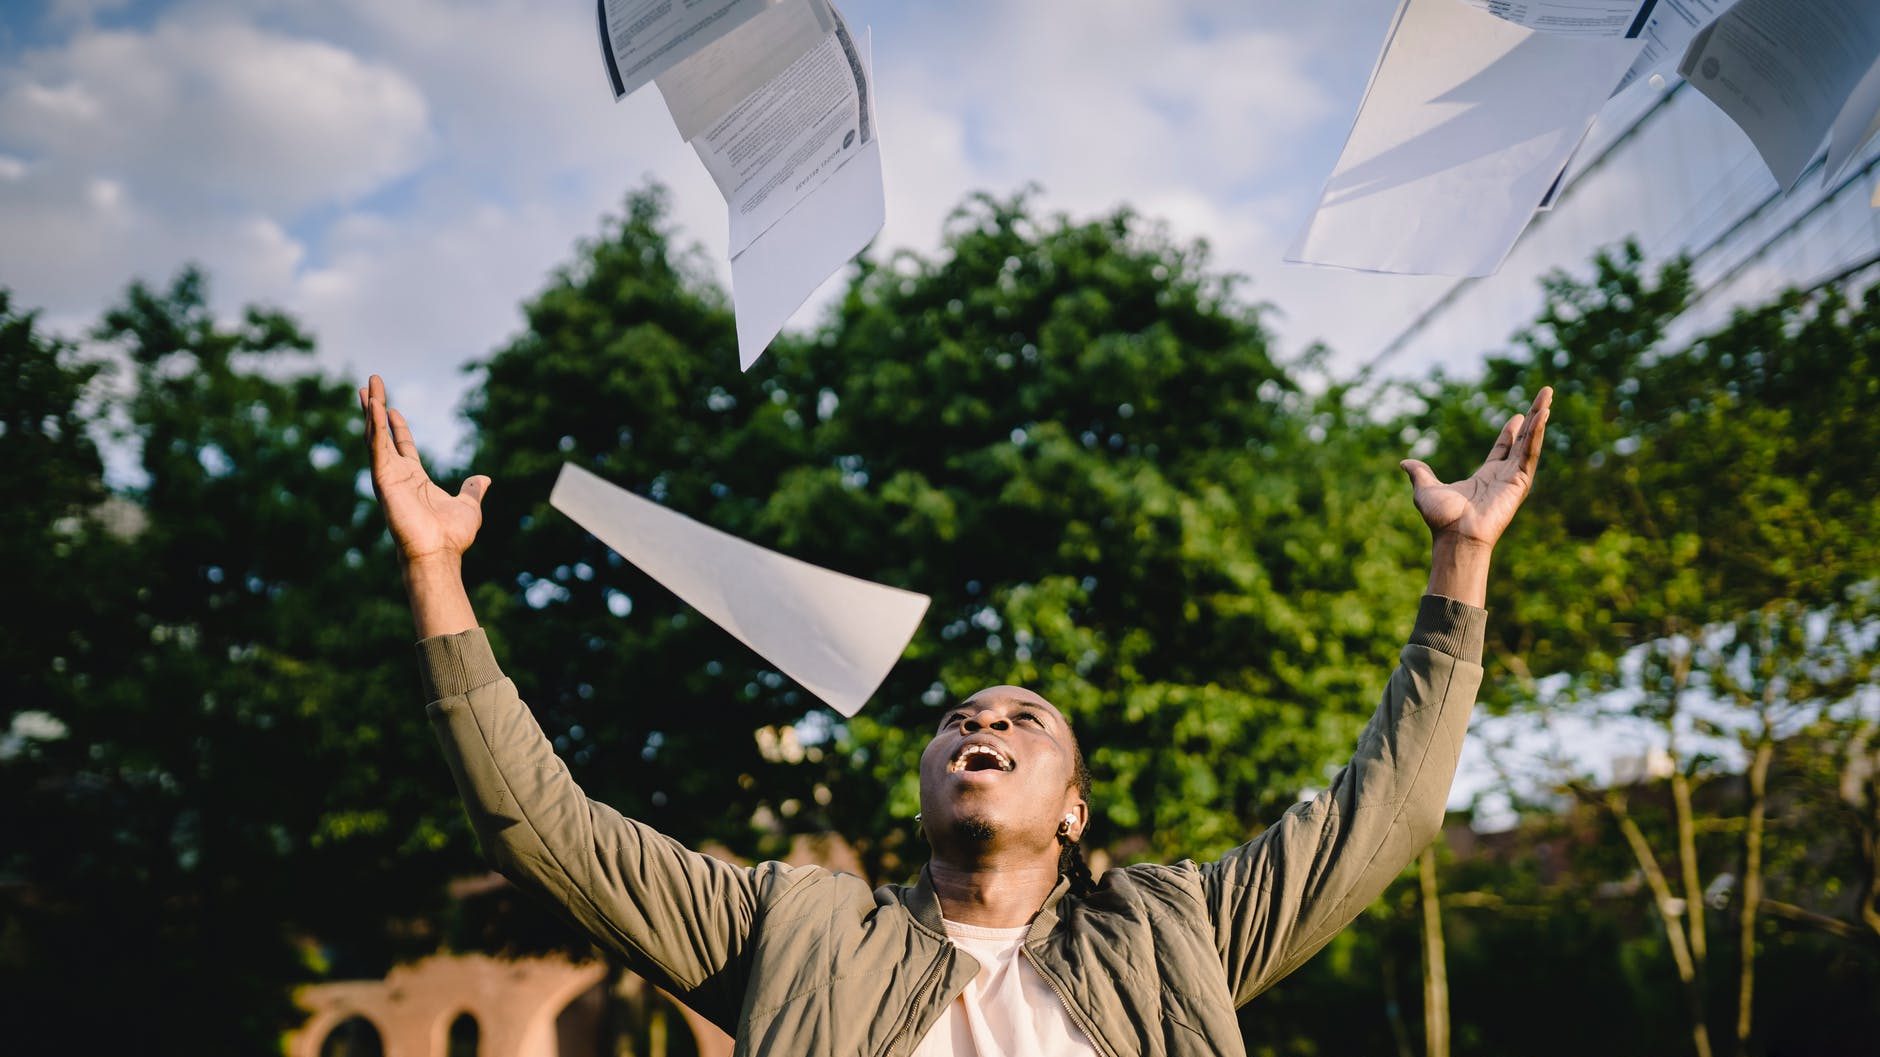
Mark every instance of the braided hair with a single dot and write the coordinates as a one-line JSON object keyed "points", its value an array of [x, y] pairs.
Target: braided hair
{"points": [[1071, 864]]}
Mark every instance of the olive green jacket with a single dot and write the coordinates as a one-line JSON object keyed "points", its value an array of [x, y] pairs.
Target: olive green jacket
{"points": [[799, 960]]}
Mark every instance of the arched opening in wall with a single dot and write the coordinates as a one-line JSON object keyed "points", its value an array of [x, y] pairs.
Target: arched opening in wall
{"points": [[581, 1027], [631, 1017], [665, 1030], [624, 1016], [353, 1037], [464, 1037]]}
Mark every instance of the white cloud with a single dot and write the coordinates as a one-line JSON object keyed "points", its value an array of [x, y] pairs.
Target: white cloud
{"points": [[924, 167], [205, 117], [207, 137], [518, 88], [413, 295], [73, 244], [412, 301], [69, 11], [1100, 102]]}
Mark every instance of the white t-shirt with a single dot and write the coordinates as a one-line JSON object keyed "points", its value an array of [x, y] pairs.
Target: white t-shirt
{"points": [[1008, 1010]]}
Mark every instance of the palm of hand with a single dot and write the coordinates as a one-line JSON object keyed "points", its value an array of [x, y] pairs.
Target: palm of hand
{"points": [[426, 521], [1480, 508]]}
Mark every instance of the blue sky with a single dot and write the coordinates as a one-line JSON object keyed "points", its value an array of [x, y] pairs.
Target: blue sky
{"points": [[401, 175]]}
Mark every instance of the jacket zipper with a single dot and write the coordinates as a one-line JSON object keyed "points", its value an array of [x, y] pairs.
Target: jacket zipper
{"points": [[927, 981], [1083, 1020]]}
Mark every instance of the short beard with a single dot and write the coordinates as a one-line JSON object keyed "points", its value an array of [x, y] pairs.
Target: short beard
{"points": [[975, 828]]}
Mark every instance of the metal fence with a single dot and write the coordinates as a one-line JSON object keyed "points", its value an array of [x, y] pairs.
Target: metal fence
{"points": [[1665, 168]]}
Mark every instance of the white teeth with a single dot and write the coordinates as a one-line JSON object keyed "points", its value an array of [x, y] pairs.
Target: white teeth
{"points": [[959, 762]]}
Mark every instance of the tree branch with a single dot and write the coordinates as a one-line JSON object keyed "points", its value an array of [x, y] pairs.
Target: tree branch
{"points": [[1833, 926]]}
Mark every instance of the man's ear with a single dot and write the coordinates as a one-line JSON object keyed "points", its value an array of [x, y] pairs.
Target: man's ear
{"points": [[1077, 815]]}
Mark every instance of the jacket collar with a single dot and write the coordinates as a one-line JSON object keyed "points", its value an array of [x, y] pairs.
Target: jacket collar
{"points": [[924, 904], [1047, 917]]}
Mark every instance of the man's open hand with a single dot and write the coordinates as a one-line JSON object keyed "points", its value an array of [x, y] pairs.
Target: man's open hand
{"points": [[1477, 510], [427, 522]]}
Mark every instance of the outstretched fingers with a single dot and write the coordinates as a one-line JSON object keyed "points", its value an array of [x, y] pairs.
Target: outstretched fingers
{"points": [[378, 429], [1527, 450], [401, 435], [1505, 441], [381, 438], [1531, 452]]}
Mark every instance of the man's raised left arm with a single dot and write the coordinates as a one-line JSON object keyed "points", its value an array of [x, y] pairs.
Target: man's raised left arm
{"points": [[1283, 895]]}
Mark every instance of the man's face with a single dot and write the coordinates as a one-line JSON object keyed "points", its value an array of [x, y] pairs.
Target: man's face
{"points": [[1000, 769]]}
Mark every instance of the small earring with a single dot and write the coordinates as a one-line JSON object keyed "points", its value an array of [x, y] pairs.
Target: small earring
{"points": [[916, 818]]}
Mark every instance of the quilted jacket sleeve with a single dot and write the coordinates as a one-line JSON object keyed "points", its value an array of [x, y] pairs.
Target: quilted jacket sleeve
{"points": [[1283, 895], [679, 917]]}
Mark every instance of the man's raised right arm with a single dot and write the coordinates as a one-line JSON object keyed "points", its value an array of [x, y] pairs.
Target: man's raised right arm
{"points": [[679, 917]]}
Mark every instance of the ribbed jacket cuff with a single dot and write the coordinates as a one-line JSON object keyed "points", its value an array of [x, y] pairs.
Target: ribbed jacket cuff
{"points": [[1448, 626], [451, 665]]}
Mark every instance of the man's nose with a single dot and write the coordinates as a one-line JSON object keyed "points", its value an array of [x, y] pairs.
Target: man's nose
{"points": [[986, 719]]}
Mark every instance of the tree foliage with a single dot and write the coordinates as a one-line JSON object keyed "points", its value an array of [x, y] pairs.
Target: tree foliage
{"points": [[234, 766], [50, 477], [1706, 564]]}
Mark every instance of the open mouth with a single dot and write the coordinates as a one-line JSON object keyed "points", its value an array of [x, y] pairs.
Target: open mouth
{"points": [[979, 757]]}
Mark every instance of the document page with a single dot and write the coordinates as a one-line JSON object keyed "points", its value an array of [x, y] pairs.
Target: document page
{"points": [[772, 278], [1560, 178], [723, 74], [1858, 122], [1467, 124], [641, 39], [1784, 71], [1667, 33], [779, 144], [836, 635], [778, 271], [1586, 18], [774, 97]]}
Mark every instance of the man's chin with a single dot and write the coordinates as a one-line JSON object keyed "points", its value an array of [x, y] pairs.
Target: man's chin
{"points": [[976, 828]]}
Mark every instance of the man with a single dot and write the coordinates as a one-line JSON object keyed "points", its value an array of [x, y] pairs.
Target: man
{"points": [[1003, 946]]}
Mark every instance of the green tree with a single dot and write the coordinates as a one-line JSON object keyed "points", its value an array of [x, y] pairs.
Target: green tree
{"points": [[242, 768], [51, 486], [1704, 562], [1071, 435]]}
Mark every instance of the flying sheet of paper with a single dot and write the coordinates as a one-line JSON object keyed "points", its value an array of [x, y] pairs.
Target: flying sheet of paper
{"points": [[772, 279], [834, 634], [798, 164], [1580, 18], [1467, 123], [1667, 34], [1785, 71], [780, 111], [774, 97], [1858, 122], [1560, 179], [641, 39], [781, 143]]}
